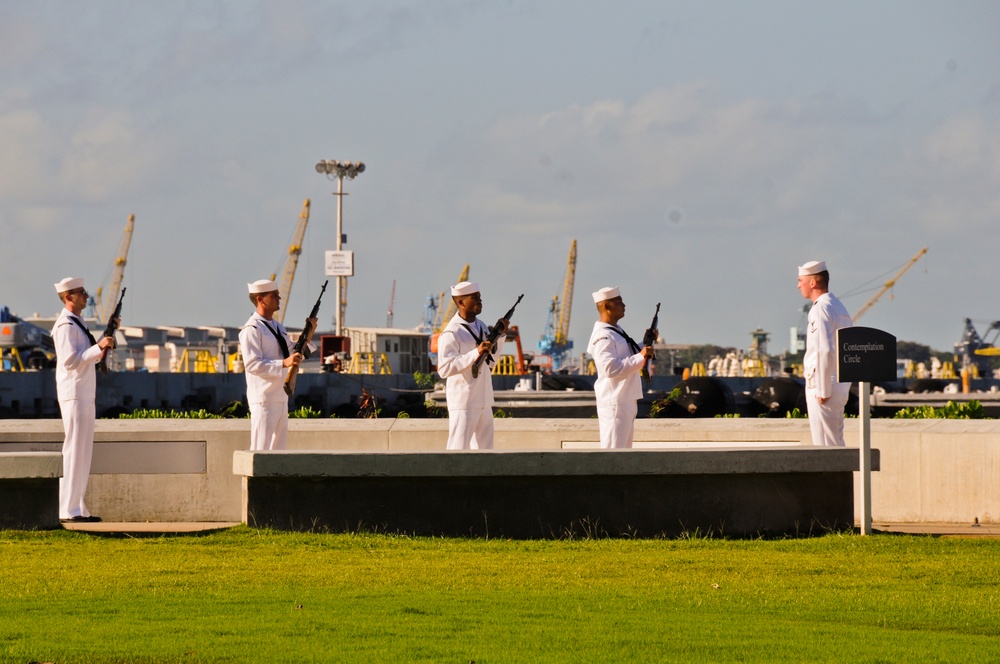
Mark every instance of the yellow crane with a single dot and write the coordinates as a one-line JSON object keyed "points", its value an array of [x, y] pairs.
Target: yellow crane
{"points": [[562, 332], [555, 342], [449, 313], [102, 309], [292, 262], [888, 285]]}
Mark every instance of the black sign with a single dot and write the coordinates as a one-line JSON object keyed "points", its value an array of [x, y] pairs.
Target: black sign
{"points": [[866, 355]]}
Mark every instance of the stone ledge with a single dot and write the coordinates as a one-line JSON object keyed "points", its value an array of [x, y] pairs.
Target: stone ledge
{"points": [[502, 463], [24, 465]]}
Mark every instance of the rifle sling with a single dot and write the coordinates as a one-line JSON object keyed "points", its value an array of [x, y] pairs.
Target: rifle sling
{"points": [[93, 341]]}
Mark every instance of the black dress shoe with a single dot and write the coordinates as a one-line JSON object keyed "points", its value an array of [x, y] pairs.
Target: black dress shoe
{"points": [[79, 518], [92, 519]]}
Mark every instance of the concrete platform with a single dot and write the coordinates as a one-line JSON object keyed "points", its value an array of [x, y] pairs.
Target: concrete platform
{"points": [[493, 493]]}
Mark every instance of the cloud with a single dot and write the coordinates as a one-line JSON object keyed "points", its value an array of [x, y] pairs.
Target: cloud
{"points": [[29, 143], [685, 155], [20, 44], [954, 173], [728, 163], [107, 155], [102, 156]]}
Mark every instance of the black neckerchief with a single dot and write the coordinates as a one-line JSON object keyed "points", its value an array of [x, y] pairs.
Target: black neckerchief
{"points": [[472, 331], [632, 345], [93, 341], [479, 340], [281, 339]]}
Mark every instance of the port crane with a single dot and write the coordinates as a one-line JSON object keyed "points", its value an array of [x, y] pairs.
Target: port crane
{"points": [[973, 345], [887, 286], [292, 262], [556, 342], [392, 304], [102, 308], [430, 314]]}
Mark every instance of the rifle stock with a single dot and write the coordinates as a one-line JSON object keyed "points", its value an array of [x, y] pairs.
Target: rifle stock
{"points": [[307, 334], [109, 331]]}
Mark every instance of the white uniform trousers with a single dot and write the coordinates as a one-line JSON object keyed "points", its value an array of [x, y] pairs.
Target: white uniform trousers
{"points": [[470, 429], [826, 421], [77, 451], [269, 425], [617, 424]]}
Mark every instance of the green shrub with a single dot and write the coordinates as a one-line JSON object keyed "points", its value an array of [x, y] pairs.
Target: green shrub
{"points": [[434, 410], [424, 381], [971, 410], [159, 413], [660, 405], [305, 412]]}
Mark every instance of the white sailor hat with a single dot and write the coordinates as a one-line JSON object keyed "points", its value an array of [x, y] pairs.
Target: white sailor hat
{"points": [[606, 293], [811, 268], [464, 288], [68, 284], [262, 286]]}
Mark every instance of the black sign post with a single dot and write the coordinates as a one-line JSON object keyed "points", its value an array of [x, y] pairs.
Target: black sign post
{"points": [[865, 354]]}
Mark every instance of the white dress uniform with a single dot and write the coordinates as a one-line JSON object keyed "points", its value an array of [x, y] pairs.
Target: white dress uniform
{"points": [[618, 387], [76, 387], [826, 421], [265, 375], [470, 400]]}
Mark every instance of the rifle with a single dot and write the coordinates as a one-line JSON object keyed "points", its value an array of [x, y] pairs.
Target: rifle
{"points": [[492, 335], [648, 339], [304, 338], [109, 331]]}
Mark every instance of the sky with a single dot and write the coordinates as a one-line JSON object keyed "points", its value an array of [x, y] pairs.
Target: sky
{"points": [[696, 151]]}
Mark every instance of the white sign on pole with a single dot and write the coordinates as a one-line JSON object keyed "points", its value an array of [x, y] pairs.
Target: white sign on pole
{"points": [[339, 263]]}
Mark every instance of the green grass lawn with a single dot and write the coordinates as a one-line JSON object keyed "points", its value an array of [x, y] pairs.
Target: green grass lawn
{"points": [[259, 596]]}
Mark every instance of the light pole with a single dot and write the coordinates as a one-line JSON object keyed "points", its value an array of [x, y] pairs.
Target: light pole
{"points": [[335, 170]]}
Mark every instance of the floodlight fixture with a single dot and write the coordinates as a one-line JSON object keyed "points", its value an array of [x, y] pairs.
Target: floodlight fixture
{"points": [[339, 170]]}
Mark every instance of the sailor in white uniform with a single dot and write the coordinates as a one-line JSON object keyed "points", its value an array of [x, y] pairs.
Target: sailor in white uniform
{"points": [[265, 346], [77, 354], [469, 389], [618, 360], [825, 397]]}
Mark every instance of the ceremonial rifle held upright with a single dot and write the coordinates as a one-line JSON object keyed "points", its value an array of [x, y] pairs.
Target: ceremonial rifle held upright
{"points": [[493, 335], [109, 331], [648, 339], [304, 338]]}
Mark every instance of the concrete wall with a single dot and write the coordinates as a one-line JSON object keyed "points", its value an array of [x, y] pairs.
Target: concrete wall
{"points": [[29, 490], [945, 471]]}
